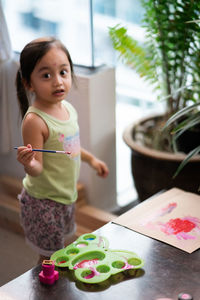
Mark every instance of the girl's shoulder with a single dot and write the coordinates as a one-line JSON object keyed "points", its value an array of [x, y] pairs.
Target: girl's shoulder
{"points": [[32, 116], [34, 125], [33, 119]]}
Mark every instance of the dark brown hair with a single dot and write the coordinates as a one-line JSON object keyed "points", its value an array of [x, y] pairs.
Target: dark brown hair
{"points": [[29, 57]]}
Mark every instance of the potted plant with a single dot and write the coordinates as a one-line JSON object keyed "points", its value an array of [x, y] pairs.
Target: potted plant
{"points": [[170, 61]]}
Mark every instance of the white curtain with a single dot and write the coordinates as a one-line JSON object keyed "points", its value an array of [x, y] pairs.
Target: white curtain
{"points": [[8, 69]]}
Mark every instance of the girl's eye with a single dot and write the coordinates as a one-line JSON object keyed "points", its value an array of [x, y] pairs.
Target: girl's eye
{"points": [[63, 72], [46, 75]]}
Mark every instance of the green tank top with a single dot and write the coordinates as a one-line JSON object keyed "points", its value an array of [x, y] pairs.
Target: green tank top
{"points": [[60, 171]]}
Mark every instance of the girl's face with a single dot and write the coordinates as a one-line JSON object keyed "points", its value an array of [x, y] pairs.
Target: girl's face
{"points": [[51, 78]]}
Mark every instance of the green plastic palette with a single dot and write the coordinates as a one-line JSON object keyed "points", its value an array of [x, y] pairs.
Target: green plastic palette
{"points": [[92, 260]]}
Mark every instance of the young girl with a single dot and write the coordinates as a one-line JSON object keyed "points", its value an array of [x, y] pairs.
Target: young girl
{"points": [[49, 187]]}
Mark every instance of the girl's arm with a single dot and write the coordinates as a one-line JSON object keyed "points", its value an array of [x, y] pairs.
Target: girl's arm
{"points": [[34, 132], [95, 163]]}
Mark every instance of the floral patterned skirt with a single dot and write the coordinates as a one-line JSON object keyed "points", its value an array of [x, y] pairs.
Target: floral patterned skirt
{"points": [[47, 224]]}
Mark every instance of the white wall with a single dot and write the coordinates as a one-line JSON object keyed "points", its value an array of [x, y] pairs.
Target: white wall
{"points": [[11, 126], [94, 99]]}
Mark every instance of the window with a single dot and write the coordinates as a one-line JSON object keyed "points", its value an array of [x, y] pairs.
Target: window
{"points": [[75, 22], [69, 20]]}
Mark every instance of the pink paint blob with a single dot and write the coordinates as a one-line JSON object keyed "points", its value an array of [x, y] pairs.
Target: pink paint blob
{"points": [[61, 262], [86, 263], [160, 213], [168, 209], [185, 296], [179, 225], [81, 245], [127, 266], [89, 276], [92, 274]]}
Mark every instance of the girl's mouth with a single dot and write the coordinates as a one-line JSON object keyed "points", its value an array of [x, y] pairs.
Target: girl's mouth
{"points": [[59, 92]]}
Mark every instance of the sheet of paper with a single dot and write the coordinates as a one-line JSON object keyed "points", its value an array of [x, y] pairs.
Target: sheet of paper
{"points": [[172, 217]]}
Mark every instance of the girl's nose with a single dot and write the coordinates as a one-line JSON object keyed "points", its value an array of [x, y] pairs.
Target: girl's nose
{"points": [[57, 80]]}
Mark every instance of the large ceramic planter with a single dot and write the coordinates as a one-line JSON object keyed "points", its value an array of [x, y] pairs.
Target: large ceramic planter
{"points": [[153, 170]]}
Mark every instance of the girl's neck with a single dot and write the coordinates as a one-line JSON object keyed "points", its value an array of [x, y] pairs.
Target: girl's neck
{"points": [[56, 110]]}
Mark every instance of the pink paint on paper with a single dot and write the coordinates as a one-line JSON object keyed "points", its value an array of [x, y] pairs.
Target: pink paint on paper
{"points": [[160, 213], [181, 227], [168, 209]]}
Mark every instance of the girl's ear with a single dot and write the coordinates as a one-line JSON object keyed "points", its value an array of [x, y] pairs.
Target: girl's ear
{"points": [[27, 86]]}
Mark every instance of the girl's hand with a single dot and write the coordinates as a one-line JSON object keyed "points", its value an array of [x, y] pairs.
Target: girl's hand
{"points": [[100, 167], [95, 163], [25, 155]]}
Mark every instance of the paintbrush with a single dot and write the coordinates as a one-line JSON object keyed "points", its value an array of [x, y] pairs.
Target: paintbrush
{"points": [[49, 151]]}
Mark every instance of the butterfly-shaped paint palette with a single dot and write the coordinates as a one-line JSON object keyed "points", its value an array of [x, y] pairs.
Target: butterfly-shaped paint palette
{"points": [[92, 260]]}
